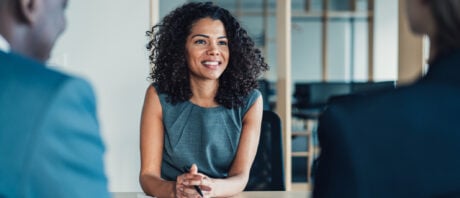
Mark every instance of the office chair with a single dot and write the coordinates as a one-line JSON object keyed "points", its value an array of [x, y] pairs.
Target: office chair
{"points": [[316, 94], [267, 171], [366, 87]]}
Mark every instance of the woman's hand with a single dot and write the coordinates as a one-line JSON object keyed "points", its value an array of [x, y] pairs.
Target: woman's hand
{"points": [[187, 183]]}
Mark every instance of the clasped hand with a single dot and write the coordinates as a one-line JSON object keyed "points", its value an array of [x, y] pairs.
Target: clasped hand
{"points": [[185, 184]]}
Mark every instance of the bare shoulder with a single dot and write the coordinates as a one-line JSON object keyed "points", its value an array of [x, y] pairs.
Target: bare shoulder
{"points": [[152, 102], [151, 91]]}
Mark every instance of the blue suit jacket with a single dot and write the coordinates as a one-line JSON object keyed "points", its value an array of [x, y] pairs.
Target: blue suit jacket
{"points": [[50, 144], [402, 143]]}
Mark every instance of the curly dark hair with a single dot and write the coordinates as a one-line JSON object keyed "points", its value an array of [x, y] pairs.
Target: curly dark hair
{"points": [[170, 71]]}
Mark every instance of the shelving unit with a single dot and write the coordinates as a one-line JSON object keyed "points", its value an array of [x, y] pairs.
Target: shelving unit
{"points": [[310, 123], [306, 130]]}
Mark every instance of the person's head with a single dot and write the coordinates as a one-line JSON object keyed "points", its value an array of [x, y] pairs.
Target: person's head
{"points": [[193, 36], [32, 26], [439, 19], [206, 49]]}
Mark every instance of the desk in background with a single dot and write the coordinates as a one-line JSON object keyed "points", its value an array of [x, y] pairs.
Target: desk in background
{"points": [[248, 194]]}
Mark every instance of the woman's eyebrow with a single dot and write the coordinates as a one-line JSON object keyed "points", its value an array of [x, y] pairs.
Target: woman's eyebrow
{"points": [[206, 36], [201, 35]]}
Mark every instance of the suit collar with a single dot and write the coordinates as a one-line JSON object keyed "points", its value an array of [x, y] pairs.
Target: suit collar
{"points": [[446, 69]]}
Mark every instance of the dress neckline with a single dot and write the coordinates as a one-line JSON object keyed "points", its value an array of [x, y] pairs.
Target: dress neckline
{"points": [[205, 108]]}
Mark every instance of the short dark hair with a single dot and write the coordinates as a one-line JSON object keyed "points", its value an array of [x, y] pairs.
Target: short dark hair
{"points": [[170, 71], [446, 14]]}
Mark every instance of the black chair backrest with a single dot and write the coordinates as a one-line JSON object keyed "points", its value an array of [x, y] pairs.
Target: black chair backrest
{"points": [[264, 88], [361, 87], [267, 171], [316, 95]]}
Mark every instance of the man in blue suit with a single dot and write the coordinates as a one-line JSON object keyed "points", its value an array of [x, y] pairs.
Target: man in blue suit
{"points": [[50, 144], [402, 143]]}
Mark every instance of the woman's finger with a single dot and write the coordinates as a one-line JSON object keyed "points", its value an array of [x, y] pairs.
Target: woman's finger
{"points": [[190, 191]]}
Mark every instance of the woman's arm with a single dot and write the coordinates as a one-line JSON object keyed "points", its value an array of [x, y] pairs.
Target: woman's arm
{"points": [[151, 146], [240, 169]]}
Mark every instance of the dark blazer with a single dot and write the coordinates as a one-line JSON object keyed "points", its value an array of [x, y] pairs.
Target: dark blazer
{"points": [[50, 144], [401, 143]]}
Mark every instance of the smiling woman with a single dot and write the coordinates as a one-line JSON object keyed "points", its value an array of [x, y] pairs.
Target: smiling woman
{"points": [[207, 50], [202, 112]]}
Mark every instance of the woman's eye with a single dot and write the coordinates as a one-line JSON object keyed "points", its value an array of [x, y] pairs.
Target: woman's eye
{"points": [[223, 43], [200, 42]]}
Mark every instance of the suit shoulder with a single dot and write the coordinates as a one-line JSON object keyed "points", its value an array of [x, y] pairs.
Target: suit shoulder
{"points": [[25, 80], [377, 103], [78, 89], [26, 70]]}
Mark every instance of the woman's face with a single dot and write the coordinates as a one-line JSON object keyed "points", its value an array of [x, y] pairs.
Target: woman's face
{"points": [[207, 50]]}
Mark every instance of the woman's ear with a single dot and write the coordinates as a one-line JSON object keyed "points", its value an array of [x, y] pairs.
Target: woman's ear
{"points": [[28, 10]]}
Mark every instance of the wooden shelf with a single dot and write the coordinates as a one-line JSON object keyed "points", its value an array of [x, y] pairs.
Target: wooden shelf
{"points": [[301, 186], [300, 133], [333, 14], [314, 14], [299, 154]]}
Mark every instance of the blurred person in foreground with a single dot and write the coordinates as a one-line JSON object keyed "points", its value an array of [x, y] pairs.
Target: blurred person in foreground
{"points": [[405, 142], [50, 144]]}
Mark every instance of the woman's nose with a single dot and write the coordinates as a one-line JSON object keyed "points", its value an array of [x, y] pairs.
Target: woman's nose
{"points": [[213, 50]]}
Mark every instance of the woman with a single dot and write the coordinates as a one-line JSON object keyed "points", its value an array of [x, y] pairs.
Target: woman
{"points": [[404, 142], [202, 108]]}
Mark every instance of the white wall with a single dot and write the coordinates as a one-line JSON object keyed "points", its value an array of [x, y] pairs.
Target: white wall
{"points": [[386, 40], [339, 50], [306, 51], [360, 58], [105, 43]]}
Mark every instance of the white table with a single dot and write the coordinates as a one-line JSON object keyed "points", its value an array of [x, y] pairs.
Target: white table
{"points": [[248, 194]]}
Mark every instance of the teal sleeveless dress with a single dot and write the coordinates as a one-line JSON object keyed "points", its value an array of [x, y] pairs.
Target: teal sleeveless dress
{"points": [[207, 137]]}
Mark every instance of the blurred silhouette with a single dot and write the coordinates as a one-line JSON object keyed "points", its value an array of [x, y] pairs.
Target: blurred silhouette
{"points": [[405, 142], [50, 144]]}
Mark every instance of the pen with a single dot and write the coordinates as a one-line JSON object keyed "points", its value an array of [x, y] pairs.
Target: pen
{"points": [[197, 188]]}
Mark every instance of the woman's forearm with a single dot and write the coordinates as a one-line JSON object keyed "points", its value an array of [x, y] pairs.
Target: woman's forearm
{"points": [[154, 186], [229, 186]]}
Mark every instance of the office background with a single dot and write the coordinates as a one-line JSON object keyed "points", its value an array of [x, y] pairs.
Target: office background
{"points": [[105, 43]]}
